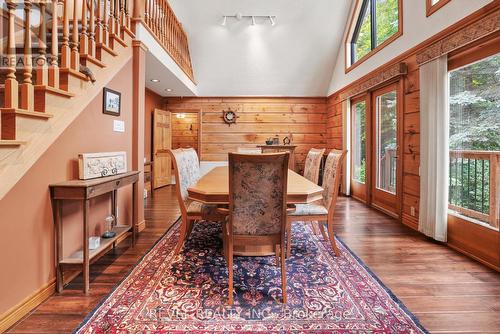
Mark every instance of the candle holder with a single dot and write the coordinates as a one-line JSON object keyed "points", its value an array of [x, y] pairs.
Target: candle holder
{"points": [[109, 224]]}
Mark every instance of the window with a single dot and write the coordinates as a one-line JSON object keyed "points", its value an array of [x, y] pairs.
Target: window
{"points": [[475, 141], [433, 5], [377, 24], [359, 142]]}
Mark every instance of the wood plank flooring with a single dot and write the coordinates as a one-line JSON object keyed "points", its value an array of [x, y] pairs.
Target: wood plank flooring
{"points": [[447, 291]]}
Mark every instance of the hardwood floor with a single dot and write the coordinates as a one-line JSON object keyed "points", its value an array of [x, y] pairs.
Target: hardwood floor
{"points": [[447, 291]]}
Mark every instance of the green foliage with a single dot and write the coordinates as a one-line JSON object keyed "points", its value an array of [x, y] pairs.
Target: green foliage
{"points": [[387, 25], [475, 126]]}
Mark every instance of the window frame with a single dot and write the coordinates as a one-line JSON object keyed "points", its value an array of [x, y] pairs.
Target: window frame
{"points": [[432, 8], [355, 24]]}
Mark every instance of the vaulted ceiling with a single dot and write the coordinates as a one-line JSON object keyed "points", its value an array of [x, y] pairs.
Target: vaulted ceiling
{"points": [[293, 58]]}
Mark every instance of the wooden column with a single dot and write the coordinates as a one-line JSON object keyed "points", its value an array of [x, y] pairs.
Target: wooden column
{"points": [[138, 112], [41, 62], [65, 49], [84, 36], [75, 54], [27, 92], [92, 29], [11, 85], [54, 68]]}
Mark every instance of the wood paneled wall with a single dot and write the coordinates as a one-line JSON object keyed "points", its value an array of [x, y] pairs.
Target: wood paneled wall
{"points": [[259, 118], [185, 131]]}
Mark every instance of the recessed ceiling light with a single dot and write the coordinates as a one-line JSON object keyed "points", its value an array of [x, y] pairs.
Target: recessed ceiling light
{"points": [[155, 80], [169, 89]]}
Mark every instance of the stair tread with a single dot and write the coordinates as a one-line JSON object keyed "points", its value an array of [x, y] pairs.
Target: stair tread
{"points": [[93, 60], [52, 90], [7, 142], [107, 49], [24, 112]]}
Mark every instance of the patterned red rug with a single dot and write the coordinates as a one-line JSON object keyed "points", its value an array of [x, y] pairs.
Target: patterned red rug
{"points": [[188, 293]]}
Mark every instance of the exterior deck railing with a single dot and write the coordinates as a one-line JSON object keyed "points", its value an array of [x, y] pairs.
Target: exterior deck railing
{"points": [[474, 185]]}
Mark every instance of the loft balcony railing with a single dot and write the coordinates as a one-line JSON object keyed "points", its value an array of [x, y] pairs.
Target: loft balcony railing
{"points": [[474, 185], [159, 18]]}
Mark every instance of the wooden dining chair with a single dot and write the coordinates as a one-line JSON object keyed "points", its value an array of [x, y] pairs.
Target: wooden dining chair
{"points": [[313, 163], [187, 173], [323, 210], [257, 207]]}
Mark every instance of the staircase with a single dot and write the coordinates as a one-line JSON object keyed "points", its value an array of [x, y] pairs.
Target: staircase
{"points": [[42, 88]]}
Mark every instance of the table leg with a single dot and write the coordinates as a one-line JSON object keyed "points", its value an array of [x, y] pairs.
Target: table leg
{"points": [[134, 212], [56, 212], [114, 195], [86, 261]]}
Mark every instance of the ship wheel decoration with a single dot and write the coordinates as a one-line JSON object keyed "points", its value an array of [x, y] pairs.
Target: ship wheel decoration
{"points": [[229, 116]]}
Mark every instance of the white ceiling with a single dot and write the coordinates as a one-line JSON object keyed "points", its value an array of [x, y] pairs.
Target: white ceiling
{"points": [[294, 58]]}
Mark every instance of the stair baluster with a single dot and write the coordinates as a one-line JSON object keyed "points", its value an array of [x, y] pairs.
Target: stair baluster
{"points": [[122, 13], [11, 84], [84, 36], [54, 68], [41, 68], [105, 26], [98, 20], [75, 54], [111, 17], [65, 49], [127, 15], [27, 91], [117, 18], [91, 50]]}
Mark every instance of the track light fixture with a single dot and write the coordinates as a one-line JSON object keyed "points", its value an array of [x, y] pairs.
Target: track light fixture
{"points": [[253, 18]]}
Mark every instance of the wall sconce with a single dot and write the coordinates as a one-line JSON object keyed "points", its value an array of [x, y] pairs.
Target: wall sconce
{"points": [[181, 115]]}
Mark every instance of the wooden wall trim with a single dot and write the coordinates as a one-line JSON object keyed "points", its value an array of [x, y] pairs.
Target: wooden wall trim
{"points": [[431, 9], [377, 79], [473, 32], [17, 312]]}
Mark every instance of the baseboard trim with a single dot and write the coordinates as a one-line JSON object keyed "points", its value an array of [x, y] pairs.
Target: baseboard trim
{"points": [[16, 313], [141, 226], [466, 253]]}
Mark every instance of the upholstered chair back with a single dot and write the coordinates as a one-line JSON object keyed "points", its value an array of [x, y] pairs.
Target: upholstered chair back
{"points": [[257, 193], [331, 177], [312, 164], [187, 169]]}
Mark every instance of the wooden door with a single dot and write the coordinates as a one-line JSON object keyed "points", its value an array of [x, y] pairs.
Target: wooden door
{"points": [[162, 140], [360, 143], [385, 162]]}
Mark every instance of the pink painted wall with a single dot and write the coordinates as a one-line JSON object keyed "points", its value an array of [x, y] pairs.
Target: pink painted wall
{"points": [[27, 235]]}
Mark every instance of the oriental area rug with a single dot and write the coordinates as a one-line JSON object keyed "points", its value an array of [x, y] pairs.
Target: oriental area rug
{"points": [[187, 293]]}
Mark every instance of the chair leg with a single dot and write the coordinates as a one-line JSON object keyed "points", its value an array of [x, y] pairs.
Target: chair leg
{"points": [[288, 239], [322, 229], [314, 228], [190, 227], [332, 238], [283, 271], [182, 235], [230, 270]]}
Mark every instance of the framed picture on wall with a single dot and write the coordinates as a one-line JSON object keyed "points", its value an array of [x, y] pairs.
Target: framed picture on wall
{"points": [[111, 102]]}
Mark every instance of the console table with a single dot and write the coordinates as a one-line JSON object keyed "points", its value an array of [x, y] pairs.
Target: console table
{"points": [[84, 190], [281, 148]]}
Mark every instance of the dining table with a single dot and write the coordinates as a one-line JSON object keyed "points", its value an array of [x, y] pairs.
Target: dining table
{"points": [[213, 188]]}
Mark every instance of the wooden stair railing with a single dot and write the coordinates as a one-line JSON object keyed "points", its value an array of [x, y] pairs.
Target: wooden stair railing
{"points": [[159, 18], [69, 33]]}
